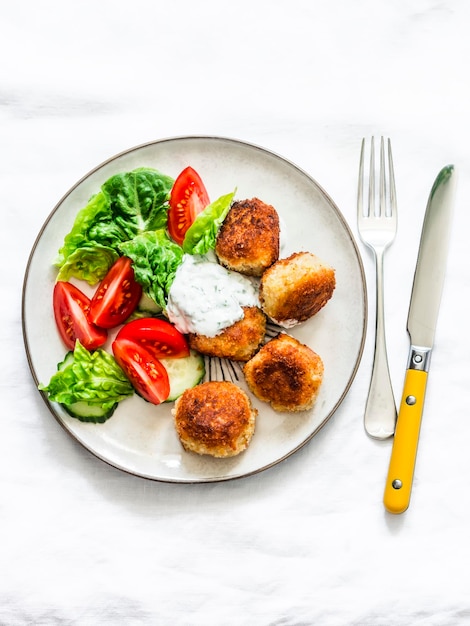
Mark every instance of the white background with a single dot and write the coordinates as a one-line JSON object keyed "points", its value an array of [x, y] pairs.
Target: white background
{"points": [[308, 541]]}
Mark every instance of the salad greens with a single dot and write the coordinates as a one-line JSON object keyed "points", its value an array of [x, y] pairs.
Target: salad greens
{"points": [[155, 259], [129, 216], [201, 235], [128, 204], [91, 377], [88, 262]]}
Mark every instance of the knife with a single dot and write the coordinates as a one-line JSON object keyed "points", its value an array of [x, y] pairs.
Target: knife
{"points": [[422, 319]]}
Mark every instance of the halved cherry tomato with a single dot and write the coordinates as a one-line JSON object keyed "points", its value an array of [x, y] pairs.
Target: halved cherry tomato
{"points": [[71, 307], [116, 297], [159, 337], [146, 374], [188, 198]]}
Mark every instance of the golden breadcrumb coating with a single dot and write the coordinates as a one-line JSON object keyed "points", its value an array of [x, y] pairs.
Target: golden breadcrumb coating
{"points": [[237, 342], [294, 289], [248, 240], [285, 373], [215, 418]]}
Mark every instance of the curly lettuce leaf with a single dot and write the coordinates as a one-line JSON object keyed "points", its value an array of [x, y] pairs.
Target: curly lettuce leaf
{"points": [[202, 234], [155, 258], [128, 204], [91, 377]]}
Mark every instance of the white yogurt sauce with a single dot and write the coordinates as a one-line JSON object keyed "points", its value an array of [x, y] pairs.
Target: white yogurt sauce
{"points": [[205, 297]]}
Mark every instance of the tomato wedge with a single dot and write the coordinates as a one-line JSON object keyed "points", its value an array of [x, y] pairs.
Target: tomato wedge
{"points": [[116, 297], [157, 336], [188, 198], [146, 374], [71, 307]]}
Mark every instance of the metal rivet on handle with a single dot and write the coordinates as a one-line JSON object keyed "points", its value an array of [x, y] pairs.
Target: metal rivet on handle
{"points": [[397, 484], [410, 400]]}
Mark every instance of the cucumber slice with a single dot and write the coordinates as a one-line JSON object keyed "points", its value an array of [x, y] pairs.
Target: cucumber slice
{"points": [[68, 360], [146, 308], [184, 373], [86, 412], [82, 410]]}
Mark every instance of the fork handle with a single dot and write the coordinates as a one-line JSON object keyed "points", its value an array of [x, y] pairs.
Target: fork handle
{"points": [[380, 414]]}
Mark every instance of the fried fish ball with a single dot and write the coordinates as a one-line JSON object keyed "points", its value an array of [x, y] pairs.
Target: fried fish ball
{"points": [[285, 373], [294, 289], [237, 342], [248, 240], [215, 418]]}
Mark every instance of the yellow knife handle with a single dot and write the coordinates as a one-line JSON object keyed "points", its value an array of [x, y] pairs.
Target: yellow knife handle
{"points": [[405, 443]]}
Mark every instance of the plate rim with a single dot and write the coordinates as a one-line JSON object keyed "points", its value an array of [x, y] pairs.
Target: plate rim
{"points": [[358, 358]]}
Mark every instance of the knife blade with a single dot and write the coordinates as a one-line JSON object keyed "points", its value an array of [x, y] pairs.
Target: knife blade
{"points": [[421, 326]]}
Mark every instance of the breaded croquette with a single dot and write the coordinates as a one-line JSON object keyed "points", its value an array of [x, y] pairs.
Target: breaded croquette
{"points": [[237, 342], [215, 418], [248, 240], [294, 289], [285, 373]]}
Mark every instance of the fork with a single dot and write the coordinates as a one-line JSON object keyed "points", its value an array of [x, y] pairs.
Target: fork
{"points": [[377, 228], [223, 369]]}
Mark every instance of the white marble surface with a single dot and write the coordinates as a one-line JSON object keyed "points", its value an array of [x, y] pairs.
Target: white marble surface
{"points": [[307, 542]]}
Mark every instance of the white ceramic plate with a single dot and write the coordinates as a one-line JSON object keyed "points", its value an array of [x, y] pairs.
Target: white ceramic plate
{"points": [[140, 438]]}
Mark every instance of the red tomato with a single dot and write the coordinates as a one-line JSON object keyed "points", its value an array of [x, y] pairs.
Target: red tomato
{"points": [[71, 308], [159, 337], [116, 297], [188, 198], [147, 375]]}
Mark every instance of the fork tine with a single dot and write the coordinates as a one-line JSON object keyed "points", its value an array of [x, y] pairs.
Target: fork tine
{"points": [[371, 209], [391, 184], [360, 185], [383, 204]]}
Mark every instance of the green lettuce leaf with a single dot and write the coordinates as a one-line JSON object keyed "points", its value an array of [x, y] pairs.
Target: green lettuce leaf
{"points": [[155, 258], [89, 263], [138, 200], [92, 377], [96, 210], [202, 234], [128, 204]]}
